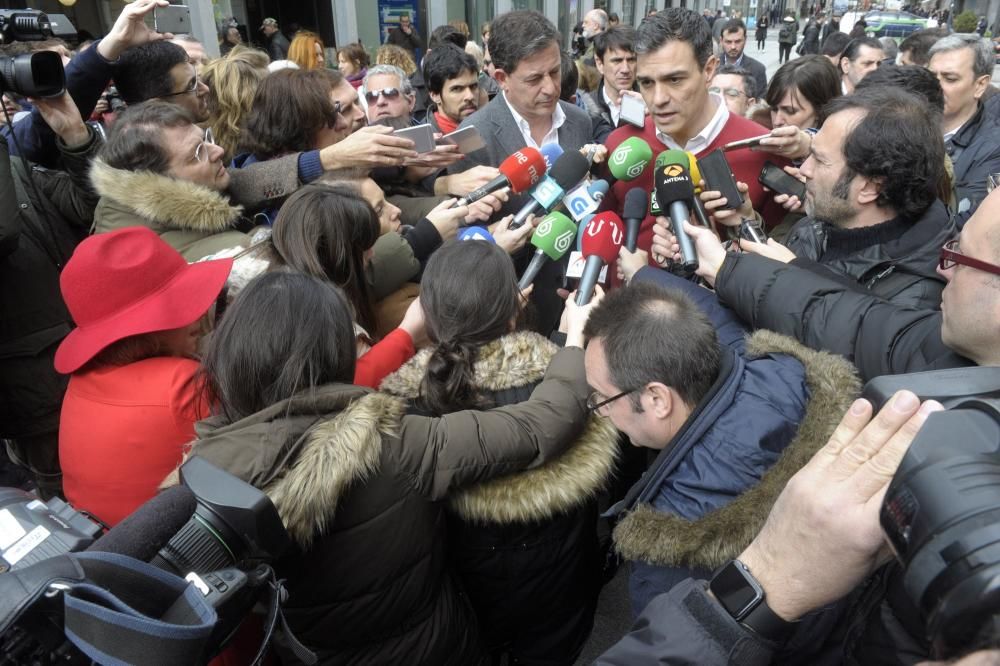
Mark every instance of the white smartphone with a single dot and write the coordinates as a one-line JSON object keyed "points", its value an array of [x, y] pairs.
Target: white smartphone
{"points": [[467, 139], [175, 19], [422, 137], [633, 110]]}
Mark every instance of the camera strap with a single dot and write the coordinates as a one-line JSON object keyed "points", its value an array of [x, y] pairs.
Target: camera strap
{"points": [[275, 624], [130, 612]]}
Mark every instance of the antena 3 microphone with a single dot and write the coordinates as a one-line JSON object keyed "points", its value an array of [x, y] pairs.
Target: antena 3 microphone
{"points": [[674, 191]]}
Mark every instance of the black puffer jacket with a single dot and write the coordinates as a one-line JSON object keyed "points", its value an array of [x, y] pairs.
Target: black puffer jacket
{"points": [[975, 153], [37, 237], [895, 260], [525, 546], [361, 487], [881, 338]]}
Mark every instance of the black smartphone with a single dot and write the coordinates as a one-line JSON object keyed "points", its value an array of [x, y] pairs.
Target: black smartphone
{"points": [[774, 178], [718, 176]]}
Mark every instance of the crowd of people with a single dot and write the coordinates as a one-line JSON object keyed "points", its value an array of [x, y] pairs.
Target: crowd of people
{"points": [[247, 259]]}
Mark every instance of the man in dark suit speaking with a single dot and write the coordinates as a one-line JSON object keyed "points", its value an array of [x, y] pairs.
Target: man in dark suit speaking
{"points": [[524, 46]]}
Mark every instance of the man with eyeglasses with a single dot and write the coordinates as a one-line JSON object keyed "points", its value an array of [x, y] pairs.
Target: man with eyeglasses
{"points": [[388, 93], [880, 337], [736, 85], [719, 410]]}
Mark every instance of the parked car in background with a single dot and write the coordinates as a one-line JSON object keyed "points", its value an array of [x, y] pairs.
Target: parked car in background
{"points": [[893, 24]]}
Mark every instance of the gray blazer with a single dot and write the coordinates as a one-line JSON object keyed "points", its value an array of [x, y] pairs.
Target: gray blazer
{"points": [[502, 137], [264, 184]]}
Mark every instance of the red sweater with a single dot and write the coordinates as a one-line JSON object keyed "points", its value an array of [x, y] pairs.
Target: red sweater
{"points": [[123, 429], [746, 166]]}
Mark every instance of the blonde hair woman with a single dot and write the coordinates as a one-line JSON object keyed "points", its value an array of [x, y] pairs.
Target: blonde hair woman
{"points": [[390, 54], [232, 83]]}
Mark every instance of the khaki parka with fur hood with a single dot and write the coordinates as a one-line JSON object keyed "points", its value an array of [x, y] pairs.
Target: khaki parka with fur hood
{"points": [[525, 545], [193, 219], [361, 487]]}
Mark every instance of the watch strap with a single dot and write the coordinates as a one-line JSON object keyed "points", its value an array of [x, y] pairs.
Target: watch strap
{"points": [[766, 623]]}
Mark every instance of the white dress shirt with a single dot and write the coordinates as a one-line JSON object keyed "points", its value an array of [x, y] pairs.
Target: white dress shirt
{"points": [[558, 118], [708, 133]]}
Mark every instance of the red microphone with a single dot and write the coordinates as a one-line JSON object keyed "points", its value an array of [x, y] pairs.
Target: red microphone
{"points": [[519, 172], [602, 239]]}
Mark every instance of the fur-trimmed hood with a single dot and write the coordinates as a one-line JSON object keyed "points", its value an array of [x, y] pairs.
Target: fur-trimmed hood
{"points": [[301, 457], [164, 202], [518, 360], [667, 540]]}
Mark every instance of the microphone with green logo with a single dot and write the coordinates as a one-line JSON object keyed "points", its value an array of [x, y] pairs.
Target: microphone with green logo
{"points": [[553, 238], [630, 159]]}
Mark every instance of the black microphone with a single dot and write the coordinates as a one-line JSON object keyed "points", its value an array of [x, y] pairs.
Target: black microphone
{"points": [[633, 213], [150, 527], [674, 190], [569, 169]]}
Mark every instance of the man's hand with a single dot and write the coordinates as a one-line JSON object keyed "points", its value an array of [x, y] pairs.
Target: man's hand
{"points": [[442, 156], [789, 202], [447, 219], [130, 30], [709, 248], [596, 152], [823, 537], [415, 323], [512, 240], [772, 250], [368, 148], [483, 209], [460, 184], [60, 113], [629, 263], [714, 202], [788, 141], [574, 317]]}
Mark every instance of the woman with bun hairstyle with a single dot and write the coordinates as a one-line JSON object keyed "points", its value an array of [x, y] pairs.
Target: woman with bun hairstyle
{"points": [[132, 401], [360, 485], [525, 546]]}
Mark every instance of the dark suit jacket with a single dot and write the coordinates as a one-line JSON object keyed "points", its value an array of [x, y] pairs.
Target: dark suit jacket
{"points": [[502, 137], [759, 72]]}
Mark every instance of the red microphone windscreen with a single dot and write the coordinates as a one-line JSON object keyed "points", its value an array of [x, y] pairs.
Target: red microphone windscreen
{"points": [[523, 168], [603, 237]]}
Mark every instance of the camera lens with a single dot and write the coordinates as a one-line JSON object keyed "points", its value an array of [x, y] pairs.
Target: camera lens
{"points": [[33, 74]]}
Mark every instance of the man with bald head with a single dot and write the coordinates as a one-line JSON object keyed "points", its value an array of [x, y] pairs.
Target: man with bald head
{"points": [[594, 23]]}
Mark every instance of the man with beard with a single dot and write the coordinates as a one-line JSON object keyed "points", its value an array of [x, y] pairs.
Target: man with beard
{"points": [[873, 217], [734, 41], [453, 86]]}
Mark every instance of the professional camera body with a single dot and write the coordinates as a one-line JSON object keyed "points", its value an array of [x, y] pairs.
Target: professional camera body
{"points": [[37, 74], [215, 531], [941, 513]]}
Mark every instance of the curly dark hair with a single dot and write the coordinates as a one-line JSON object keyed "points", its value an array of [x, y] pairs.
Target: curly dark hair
{"points": [[899, 143]]}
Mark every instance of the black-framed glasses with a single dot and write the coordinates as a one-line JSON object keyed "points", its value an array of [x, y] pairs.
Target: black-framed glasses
{"points": [[389, 93], [950, 257], [187, 91], [728, 92], [594, 402]]}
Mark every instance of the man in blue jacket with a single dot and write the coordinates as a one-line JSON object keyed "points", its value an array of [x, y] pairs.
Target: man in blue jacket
{"points": [[722, 409]]}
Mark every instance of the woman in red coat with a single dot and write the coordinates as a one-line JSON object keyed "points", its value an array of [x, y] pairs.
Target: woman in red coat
{"points": [[132, 398]]}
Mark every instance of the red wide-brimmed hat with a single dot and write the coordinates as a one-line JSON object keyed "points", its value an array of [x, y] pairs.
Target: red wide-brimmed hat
{"points": [[130, 282]]}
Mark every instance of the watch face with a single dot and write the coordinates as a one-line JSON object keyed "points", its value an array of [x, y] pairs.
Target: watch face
{"points": [[738, 593]]}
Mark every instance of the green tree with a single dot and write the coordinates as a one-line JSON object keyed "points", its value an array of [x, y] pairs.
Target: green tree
{"points": [[966, 21]]}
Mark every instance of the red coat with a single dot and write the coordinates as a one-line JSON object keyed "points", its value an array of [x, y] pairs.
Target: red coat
{"points": [[123, 429], [746, 166]]}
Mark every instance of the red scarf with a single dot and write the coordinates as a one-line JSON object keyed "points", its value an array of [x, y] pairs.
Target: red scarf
{"points": [[446, 124]]}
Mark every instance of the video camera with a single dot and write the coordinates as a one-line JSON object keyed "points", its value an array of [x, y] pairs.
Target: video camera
{"points": [[941, 513], [38, 74], [217, 532]]}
